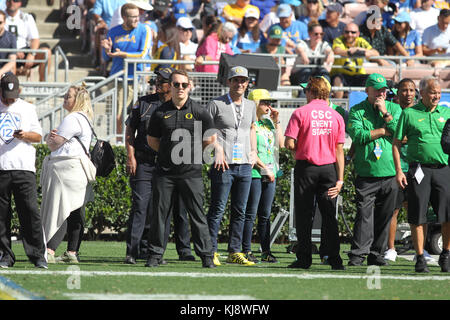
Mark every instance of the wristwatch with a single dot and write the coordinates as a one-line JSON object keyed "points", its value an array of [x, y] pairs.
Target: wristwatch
{"points": [[386, 115]]}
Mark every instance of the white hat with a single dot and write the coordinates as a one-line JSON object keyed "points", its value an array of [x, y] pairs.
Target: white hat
{"points": [[252, 13], [185, 23], [142, 4]]}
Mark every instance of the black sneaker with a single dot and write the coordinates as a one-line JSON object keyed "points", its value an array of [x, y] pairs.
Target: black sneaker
{"points": [[207, 262], [444, 261], [297, 264], [186, 257], [268, 257], [373, 260], [355, 261], [251, 257], [130, 260], [153, 262], [421, 264], [41, 264]]}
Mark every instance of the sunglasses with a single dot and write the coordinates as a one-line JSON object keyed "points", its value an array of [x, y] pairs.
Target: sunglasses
{"points": [[14, 1], [349, 31], [318, 34], [178, 85], [266, 102], [183, 29], [239, 80]]}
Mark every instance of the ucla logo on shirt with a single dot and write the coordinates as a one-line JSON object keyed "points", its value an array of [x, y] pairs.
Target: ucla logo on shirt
{"points": [[125, 38], [8, 123]]}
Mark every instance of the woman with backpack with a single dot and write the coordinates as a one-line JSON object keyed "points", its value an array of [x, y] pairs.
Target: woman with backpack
{"points": [[65, 176]]}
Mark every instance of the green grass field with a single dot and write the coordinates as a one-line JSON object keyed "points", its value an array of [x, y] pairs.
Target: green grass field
{"points": [[103, 275]]}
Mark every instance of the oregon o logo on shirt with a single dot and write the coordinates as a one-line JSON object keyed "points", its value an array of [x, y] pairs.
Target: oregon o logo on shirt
{"points": [[189, 116]]}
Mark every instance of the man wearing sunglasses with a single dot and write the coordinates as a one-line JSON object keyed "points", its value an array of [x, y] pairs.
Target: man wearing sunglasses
{"points": [[178, 132], [140, 166], [234, 117], [353, 49]]}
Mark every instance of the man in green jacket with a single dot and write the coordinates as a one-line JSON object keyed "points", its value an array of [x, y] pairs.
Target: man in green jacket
{"points": [[371, 125], [428, 175]]}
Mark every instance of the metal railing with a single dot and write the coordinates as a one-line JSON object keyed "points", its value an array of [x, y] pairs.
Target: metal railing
{"points": [[59, 52], [45, 60]]}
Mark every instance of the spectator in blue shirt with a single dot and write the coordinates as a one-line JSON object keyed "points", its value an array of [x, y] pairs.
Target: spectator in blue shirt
{"points": [[7, 41], [332, 26], [128, 40], [405, 5], [293, 30], [3, 5], [249, 37], [408, 38]]}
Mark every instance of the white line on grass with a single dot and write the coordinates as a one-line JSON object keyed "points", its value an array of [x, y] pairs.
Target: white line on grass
{"points": [[131, 296], [305, 276]]}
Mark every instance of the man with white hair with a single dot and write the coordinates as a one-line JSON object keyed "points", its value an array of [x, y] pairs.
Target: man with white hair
{"points": [[428, 175]]}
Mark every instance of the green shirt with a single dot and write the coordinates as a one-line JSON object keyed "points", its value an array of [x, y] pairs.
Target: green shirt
{"points": [[265, 144], [362, 119], [423, 130]]}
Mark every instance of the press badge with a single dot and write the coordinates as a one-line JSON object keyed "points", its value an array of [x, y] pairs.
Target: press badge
{"points": [[419, 174], [238, 152], [378, 151]]}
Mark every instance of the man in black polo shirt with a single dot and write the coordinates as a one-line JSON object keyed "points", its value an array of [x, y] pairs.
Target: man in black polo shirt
{"points": [[140, 166], [175, 132], [7, 40]]}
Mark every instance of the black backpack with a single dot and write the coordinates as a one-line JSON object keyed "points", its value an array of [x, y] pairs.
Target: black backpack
{"points": [[102, 155]]}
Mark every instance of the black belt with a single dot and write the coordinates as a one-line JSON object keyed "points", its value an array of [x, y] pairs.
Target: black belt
{"points": [[427, 165], [145, 157]]}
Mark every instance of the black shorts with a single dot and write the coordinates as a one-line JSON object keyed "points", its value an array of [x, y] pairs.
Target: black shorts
{"points": [[21, 64], [434, 188]]}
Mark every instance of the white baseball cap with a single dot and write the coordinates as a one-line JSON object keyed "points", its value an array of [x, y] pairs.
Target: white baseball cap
{"points": [[185, 23], [252, 13]]}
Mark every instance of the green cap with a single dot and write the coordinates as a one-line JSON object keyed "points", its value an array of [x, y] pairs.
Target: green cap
{"points": [[276, 32], [377, 81]]}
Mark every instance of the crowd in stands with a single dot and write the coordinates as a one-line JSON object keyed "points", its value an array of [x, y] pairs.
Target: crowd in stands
{"points": [[201, 30]]}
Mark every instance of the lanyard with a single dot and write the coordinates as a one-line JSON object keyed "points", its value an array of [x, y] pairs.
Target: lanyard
{"points": [[237, 121]]}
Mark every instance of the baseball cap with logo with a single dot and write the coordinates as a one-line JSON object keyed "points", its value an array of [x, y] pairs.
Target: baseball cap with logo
{"points": [[163, 73], [284, 11], [402, 17], [377, 81], [252, 13], [292, 2], [238, 72], [276, 32], [335, 7], [9, 86]]}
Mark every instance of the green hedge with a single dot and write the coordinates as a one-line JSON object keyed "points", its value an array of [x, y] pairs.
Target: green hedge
{"points": [[112, 203]]}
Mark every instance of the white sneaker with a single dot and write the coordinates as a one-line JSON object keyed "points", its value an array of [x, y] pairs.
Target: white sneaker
{"points": [[428, 257], [390, 255]]}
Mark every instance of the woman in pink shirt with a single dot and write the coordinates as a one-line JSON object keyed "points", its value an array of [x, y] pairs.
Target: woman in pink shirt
{"points": [[316, 133], [215, 42]]}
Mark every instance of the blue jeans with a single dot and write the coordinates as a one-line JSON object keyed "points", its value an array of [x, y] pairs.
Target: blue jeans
{"points": [[259, 202], [237, 180]]}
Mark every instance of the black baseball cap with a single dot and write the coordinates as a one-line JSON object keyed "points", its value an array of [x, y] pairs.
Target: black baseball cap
{"points": [[10, 86], [164, 72]]}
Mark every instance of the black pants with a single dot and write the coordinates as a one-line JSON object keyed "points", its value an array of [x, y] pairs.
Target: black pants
{"points": [[141, 211], [21, 184], [74, 227], [166, 189], [311, 183], [375, 202]]}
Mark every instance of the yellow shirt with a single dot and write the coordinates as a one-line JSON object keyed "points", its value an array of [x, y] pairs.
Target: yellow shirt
{"points": [[235, 11], [349, 64], [441, 4]]}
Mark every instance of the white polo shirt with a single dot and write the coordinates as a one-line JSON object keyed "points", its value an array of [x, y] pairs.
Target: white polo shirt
{"points": [[17, 154], [24, 27], [421, 19]]}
